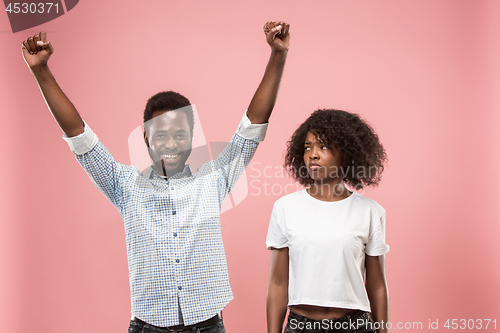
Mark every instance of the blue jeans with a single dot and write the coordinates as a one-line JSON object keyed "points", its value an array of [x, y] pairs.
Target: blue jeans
{"points": [[354, 322], [139, 328]]}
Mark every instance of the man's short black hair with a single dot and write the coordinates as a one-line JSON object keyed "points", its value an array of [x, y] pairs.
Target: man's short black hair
{"points": [[168, 101]]}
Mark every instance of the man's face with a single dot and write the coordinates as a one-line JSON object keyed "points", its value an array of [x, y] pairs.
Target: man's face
{"points": [[169, 138]]}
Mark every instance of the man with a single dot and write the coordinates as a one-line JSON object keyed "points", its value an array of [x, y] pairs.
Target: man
{"points": [[177, 267]]}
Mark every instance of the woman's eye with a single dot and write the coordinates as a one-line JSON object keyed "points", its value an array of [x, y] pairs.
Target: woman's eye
{"points": [[324, 147], [307, 148]]}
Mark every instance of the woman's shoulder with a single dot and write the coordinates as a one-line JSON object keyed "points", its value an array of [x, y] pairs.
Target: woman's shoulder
{"points": [[290, 199], [367, 202]]}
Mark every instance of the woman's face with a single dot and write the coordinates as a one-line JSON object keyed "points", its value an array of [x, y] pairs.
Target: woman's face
{"points": [[323, 163]]}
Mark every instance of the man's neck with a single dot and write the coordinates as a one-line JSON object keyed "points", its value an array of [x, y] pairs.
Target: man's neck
{"points": [[162, 173]]}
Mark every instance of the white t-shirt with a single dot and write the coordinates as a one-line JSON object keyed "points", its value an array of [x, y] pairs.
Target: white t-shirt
{"points": [[327, 242]]}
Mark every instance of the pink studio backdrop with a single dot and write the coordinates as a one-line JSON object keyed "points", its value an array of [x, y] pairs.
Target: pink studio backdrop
{"points": [[424, 73]]}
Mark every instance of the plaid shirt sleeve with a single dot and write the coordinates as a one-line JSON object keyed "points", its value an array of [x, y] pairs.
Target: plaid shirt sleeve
{"points": [[236, 156], [99, 164]]}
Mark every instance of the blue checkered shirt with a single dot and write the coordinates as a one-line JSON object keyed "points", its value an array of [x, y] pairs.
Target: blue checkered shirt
{"points": [[174, 244]]}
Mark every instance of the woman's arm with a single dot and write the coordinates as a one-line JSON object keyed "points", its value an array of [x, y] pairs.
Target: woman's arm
{"points": [[376, 287], [277, 290]]}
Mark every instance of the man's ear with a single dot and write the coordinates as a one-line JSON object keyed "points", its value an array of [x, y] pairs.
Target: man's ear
{"points": [[146, 139]]}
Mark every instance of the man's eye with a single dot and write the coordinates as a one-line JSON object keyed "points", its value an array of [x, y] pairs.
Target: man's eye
{"points": [[181, 137], [158, 136]]}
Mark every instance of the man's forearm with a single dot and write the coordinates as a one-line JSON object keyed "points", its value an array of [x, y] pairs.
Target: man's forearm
{"points": [[264, 99], [59, 105]]}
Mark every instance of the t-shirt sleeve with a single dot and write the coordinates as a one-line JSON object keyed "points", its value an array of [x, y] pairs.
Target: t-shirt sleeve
{"points": [[276, 237], [376, 245]]}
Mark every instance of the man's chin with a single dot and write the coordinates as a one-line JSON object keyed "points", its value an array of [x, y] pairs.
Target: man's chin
{"points": [[170, 169]]}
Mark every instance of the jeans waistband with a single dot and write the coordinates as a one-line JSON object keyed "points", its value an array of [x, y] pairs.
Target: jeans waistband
{"points": [[351, 316], [179, 328]]}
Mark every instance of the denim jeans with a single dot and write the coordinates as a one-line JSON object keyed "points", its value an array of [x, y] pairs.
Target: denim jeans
{"points": [[139, 328], [354, 322]]}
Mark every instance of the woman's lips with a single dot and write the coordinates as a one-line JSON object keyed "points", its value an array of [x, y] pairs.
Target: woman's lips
{"points": [[314, 166]]}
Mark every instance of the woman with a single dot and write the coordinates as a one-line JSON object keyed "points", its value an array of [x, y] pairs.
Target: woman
{"points": [[324, 239]]}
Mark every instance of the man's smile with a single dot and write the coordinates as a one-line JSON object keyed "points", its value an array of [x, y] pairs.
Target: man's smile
{"points": [[169, 157]]}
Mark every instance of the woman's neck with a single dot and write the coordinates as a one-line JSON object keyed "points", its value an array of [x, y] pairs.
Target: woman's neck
{"points": [[329, 191]]}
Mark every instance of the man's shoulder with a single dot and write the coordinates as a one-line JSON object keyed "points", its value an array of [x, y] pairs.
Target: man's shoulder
{"points": [[100, 152]]}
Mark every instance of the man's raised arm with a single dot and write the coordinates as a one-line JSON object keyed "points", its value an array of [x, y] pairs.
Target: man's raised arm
{"points": [[36, 52], [262, 104]]}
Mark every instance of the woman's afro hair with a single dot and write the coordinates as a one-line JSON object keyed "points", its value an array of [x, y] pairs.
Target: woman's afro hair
{"points": [[363, 156]]}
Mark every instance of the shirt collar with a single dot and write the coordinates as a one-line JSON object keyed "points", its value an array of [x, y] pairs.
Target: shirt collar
{"points": [[186, 172]]}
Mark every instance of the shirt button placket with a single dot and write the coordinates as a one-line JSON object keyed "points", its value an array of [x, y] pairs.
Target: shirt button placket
{"points": [[175, 224]]}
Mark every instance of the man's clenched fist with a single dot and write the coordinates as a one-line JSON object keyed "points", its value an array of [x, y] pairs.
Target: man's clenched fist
{"points": [[37, 50], [277, 35]]}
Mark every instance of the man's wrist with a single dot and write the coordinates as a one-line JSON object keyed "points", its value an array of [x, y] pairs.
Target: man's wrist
{"points": [[39, 70], [279, 53], [279, 57]]}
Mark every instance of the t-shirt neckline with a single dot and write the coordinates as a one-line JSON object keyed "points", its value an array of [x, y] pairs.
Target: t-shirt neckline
{"points": [[338, 202]]}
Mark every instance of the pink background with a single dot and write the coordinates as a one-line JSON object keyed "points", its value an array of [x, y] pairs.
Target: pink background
{"points": [[425, 73]]}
